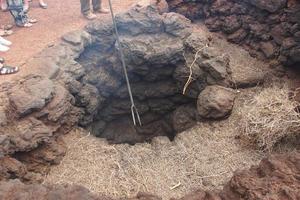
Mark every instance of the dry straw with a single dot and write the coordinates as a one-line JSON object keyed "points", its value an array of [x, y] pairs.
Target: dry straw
{"points": [[269, 117]]}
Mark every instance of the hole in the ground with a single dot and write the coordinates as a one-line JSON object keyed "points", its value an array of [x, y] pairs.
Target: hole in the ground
{"points": [[164, 111], [160, 59]]}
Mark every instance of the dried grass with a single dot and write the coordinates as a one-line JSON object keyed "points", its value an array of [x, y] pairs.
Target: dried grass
{"points": [[204, 157], [270, 116]]}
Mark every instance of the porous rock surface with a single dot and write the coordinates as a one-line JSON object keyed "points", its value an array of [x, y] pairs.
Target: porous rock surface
{"points": [[276, 177], [81, 80], [267, 28], [215, 102]]}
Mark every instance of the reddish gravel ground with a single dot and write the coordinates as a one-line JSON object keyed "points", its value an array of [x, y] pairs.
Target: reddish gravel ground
{"points": [[61, 17]]}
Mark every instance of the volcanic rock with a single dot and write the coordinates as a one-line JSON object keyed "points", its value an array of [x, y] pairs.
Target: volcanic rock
{"points": [[215, 102], [31, 94]]}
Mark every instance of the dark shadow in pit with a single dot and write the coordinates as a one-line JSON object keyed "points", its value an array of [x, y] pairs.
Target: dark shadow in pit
{"points": [[158, 97]]}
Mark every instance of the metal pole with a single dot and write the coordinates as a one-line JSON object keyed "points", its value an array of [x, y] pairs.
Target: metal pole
{"points": [[134, 111]]}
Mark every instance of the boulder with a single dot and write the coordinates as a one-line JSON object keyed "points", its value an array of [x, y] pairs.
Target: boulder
{"points": [[39, 160], [216, 66], [177, 25], [157, 49], [276, 177], [140, 20], [102, 33], [215, 102], [31, 94], [24, 135], [195, 42]]}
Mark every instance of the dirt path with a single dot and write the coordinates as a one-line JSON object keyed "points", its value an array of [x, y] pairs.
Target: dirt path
{"points": [[61, 17]]}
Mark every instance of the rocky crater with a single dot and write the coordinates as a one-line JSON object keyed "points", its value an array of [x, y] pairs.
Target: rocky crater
{"points": [[177, 79], [84, 85]]}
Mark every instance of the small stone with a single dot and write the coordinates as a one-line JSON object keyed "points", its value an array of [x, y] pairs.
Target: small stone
{"points": [[268, 49], [215, 102]]}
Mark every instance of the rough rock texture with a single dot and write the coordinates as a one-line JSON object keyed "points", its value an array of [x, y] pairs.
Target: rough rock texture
{"points": [[81, 80], [14, 189], [158, 48], [276, 177], [215, 102], [267, 28]]}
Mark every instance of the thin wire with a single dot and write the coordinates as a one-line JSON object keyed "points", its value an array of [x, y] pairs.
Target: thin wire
{"points": [[134, 111]]}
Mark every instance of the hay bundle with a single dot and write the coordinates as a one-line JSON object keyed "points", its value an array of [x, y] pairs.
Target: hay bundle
{"points": [[270, 117]]}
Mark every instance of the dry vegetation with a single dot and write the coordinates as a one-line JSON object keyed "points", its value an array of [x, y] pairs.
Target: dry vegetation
{"points": [[270, 116], [204, 157]]}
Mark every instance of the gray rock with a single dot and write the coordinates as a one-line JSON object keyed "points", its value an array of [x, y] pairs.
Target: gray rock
{"points": [[140, 20], [195, 42], [59, 109], [177, 25], [78, 38], [158, 49], [31, 94], [102, 33], [74, 69], [105, 82], [268, 49], [215, 102], [269, 5], [218, 70]]}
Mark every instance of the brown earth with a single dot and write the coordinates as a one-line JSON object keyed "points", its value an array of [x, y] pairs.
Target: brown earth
{"points": [[273, 174], [61, 17], [276, 177]]}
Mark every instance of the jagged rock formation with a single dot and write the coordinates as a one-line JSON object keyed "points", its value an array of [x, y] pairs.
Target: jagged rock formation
{"points": [[269, 29], [158, 49], [81, 81], [276, 177]]}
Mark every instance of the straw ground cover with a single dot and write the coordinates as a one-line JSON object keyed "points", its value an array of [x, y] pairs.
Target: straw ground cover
{"points": [[270, 116], [203, 157]]}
